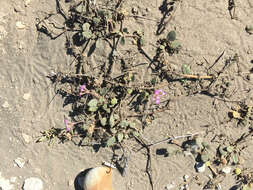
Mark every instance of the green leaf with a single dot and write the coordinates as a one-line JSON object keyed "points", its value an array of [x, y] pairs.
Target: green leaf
{"points": [[132, 125], [124, 123], [141, 41], [222, 151], [93, 109], [103, 121], [87, 35], [186, 69], [235, 158], [80, 8], [153, 81], [230, 149], [122, 40], [114, 101], [175, 44], [113, 130], [129, 91], [120, 137], [204, 157], [111, 141], [86, 27], [96, 21], [171, 35], [125, 30], [85, 126], [136, 134], [93, 103], [112, 120]]}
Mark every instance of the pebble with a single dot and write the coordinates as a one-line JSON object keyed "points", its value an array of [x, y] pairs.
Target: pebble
{"points": [[13, 179], [20, 25], [27, 138], [169, 186], [27, 2], [5, 184], [20, 162], [200, 167], [33, 183], [70, 183], [6, 104], [186, 177], [26, 96], [226, 170]]}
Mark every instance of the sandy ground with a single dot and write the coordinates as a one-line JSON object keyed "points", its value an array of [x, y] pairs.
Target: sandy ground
{"points": [[205, 30]]}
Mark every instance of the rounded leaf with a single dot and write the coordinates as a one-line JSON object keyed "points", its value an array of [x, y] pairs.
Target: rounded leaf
{"points": [[114, 101], [122, 40], [175, 44], [103, 121], [230, 148], [120, 137], [204, 157], [171, 35], [93, 103], [124, 123], [111, 141], [186, 69], [235, 158], [93, 109], [112, 120]]}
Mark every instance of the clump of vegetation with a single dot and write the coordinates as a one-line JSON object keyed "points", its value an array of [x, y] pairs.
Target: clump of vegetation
{"points": [[105, 108]]}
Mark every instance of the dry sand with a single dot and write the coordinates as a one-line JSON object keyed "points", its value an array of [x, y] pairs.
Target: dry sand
{"points": [[26, 56]]}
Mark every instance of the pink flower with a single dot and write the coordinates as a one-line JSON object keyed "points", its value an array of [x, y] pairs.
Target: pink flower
{"points": [[66, 123], [82, 88], [157, 96]]}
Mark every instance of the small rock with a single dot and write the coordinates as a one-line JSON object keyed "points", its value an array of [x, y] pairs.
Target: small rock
{"points": [[70, 183], [27, 138], [27, 2], [17, 8], [26, 96], [226, 170], [13, 179], [169, 186], [185, 177], [20, 25], [134, 11], [5, 184], [5, 104], [200, 167], [20, 162], [33, 183]]}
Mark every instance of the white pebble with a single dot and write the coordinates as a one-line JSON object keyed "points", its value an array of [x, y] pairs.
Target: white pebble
{"points": [[27, 138], [200, 167], [5, 104], [185, 177], [169, 186], [26, 96], [20, 25], [20, 162], [27, 2], [5, 184], [13, 179], [33, 183], [226, 170]]}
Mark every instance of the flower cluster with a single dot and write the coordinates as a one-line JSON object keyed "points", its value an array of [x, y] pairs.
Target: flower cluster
{"points": [[157, 96]]}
